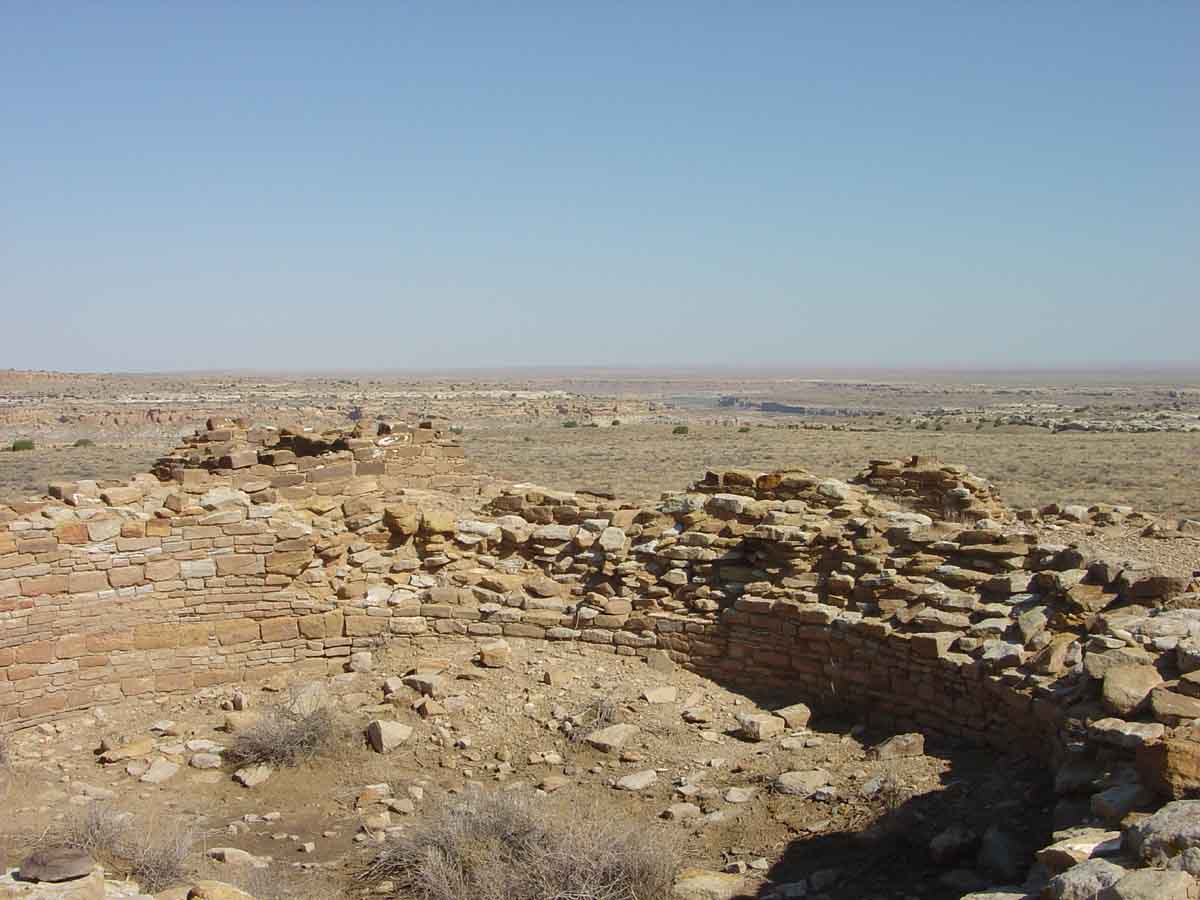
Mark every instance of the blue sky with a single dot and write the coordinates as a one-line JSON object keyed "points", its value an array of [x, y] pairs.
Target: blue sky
{"points": [[433, 185]]}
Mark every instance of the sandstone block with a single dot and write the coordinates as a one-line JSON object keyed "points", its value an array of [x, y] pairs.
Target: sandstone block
{"points": [[239, 564], [279, 629], [759, 726], [612, 738], [87, 582], [386, 736], [236, 631], [162, 570], [1127, 688]]}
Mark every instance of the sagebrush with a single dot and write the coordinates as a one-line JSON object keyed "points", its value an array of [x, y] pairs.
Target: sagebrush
{"points": [[507, 847], [154, 853], [284, 736]]}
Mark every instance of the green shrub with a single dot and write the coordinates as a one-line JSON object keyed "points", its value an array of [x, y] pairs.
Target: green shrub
{"points": [[616, 422], [22, 444], [745, 429], [570, 423], [84, 442], [679, 429]]}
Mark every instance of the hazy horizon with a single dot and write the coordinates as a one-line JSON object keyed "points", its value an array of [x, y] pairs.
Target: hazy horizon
{"points": [[350, 189], [1122, 373]]}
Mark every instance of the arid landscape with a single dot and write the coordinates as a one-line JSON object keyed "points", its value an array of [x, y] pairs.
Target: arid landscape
{"points": [[336, 644], [1130, 438], [540, 451]]}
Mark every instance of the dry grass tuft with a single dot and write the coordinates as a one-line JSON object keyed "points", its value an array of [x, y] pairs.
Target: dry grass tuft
{"points": [[504, 847], [152, 853], [598, 713], [284, 736]]}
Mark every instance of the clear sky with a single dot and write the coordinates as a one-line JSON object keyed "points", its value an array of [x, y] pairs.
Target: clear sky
{"points": [[407, 185]]}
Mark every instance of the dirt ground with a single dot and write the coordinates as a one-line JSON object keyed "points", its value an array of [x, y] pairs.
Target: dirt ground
{"points": [[866, 832]]}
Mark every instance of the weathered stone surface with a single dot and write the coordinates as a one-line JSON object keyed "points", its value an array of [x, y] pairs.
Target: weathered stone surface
{"points": [[899, 746], [386, 736], [701, 884], [1170, 831], [160, 770], [612, 738], [795, 716], [1171, 767], [1083, 845], [1129, 735], [1149, 884], [56, 864], [495, 654], [1083, 881], [637, 781], [1127, 688], [759, 726], [1172, 708], [801, 784], [252, 776]]}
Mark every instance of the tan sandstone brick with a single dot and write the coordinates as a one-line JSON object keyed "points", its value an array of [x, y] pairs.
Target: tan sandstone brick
{"points": [[36, 652], [281, 629], [72, 646], [239, 564], [87, 582], [237, 631], [155, 637], [173, 681], [126, 576], [107, 642], [162, 570], [44, 584], [312, 627]]}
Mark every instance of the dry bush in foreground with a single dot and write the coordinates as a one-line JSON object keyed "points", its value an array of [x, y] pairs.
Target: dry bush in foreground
{"points": [[284, 736], [505, 847], [152, 853]]}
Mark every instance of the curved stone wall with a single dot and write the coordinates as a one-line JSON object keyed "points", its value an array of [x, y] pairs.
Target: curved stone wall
{"points": [[788, 585]]}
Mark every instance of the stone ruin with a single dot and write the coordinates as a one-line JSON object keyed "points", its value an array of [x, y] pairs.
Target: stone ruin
{"points": [[913, 597]]}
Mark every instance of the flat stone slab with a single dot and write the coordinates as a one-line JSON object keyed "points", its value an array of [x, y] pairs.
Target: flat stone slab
{"points": [[56, 864], [612, 738]]}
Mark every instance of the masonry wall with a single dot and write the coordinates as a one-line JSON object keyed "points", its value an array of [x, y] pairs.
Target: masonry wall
{"points": [[783, 583]]}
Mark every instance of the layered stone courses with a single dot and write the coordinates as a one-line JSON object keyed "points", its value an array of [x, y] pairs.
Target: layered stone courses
{"points": [[784, 583]]}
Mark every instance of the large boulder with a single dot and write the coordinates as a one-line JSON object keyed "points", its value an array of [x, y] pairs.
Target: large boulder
{"points": [[1166, 834]]}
